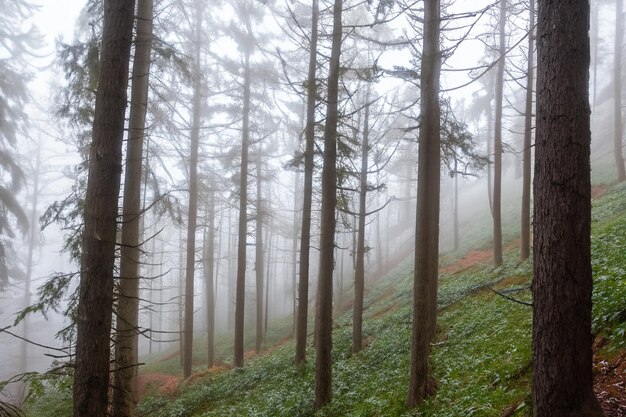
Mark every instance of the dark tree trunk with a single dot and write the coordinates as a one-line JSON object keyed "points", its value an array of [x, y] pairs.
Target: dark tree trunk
{"points": [[126, 345], [528, 133], [562, 356], [209, 278], [497, 146], [305, 233], [258, 262], [193, 199], [324, 311], [455, 209], [95, 305], [359, 271], [243, 217], [427, 219], [617, 81]]}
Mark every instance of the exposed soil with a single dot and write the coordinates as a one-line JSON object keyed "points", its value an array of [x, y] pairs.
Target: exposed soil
{"points": [[473, 257], [597, 191], [164, 384], [610, 380]]}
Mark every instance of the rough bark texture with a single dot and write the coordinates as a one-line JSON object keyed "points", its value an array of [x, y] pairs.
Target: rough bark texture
{"points": [[192, 215], [617, 91], [562, 356], [91, 376], [359, 271], [209, 279], [240, 293], [324, 311], [427, 219], [258, 258], [126, 345], [305, 232], [528, 134], [497, 144]]}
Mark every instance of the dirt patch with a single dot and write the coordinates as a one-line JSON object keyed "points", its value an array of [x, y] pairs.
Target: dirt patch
{"points": [[472, 258], [164, 384], [511, 281], [610, 381], [598, 190]]}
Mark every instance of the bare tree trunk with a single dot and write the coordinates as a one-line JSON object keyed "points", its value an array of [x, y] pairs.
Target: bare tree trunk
{"points": [[562, 284], [193, 198], [209, 279], [267, 279], [305, 233], [528, 133], [497, 148], [456, 210], [126, 345], [324, 311], [95, 305], [181, 301], [617, 84], [231, 281], [359, 271], [243, 217], [427, 219], [258, 267]]}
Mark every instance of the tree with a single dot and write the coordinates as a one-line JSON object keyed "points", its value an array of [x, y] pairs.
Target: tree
{"points": [[617, 90], [562, 285], [258, 249], [126, 348], [427, 220], [91, 376], [324, 310], [305, 232], [208, 265], [528, 127]]}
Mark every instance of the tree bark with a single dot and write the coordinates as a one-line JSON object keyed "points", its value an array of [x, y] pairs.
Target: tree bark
{"points": [[126, 345], [497, 146], [427, 219], [324, 311], [562, 285], [95, 305], [258, 262], [305, 233], [528, 133], [617, 81], [243, 217], [359, 271], [209, 279]]}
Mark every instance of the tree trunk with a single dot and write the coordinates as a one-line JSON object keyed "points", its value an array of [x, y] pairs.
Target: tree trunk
{"points": [[243, 217], [95, 305], [528, 133], [324, 311], [209, 279], [427, 219], [497, 146], [305, 233], [455, 209], [617, 80], [126, 345], [258, 262], [359, 271], [562, 285], [193, 199], [231, 281]]}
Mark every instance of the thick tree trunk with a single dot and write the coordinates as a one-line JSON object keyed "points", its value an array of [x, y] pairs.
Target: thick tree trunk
{"points": [[305, 233], [359, 271], [95, 305], [231, 282], [427, 219], [562, 285], [209, 279], [192, 216], [528, 133], [243, 217], [497, 146], [617, 84], [126, 345], [324, 311], [258, 262]]}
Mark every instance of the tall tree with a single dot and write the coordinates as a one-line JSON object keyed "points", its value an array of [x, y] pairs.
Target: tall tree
{"points": [[305, 232], [126, 345], [427, 220], [497, 146], [91, 375], [324, 311], [562, 285], [258, 259], [208, 266], [617, 90], [528, 133]]}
